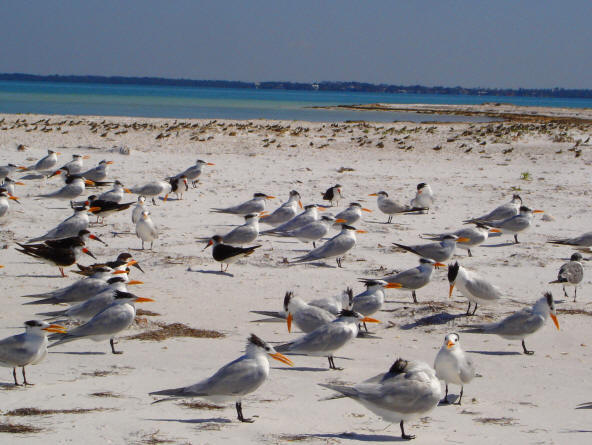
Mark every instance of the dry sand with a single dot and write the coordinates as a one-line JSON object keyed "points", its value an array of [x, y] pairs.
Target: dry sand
{"points": [[471, 167]]}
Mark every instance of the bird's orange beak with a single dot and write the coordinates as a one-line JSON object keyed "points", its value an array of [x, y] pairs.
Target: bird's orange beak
{"points": [[94, 209], [299, 203], [57, 153], [210, 163], [340, 220], [55, 328], [449, 344], [440, 265], [366, 210], [373, 194], [269, 197], [109, 162], [143, 300], [393, 286], [127, 190], [86, 157], [463, 239], [282, 358], [19, 183], [210, 242], [166, 197], [57, 172], [495, 230], [369, 320], [450, 292], [361, 231], [289, 322], [118, 272], [538, 211], [554, 318]]}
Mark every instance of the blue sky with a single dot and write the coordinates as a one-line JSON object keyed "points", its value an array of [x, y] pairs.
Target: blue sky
{"points": [[530, 44]]}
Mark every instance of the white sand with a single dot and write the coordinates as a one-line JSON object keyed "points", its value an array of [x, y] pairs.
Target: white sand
{"points": [[523, 399]]}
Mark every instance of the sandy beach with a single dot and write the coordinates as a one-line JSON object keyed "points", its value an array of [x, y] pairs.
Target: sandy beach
{"points": [[472, 168]]}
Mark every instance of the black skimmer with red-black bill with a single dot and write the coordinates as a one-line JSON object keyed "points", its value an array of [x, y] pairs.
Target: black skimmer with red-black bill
{"points": [[60, 256], [226, 254]]}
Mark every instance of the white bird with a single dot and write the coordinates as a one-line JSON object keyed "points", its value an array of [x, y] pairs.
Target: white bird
{"points": [[501, 212], [255, 205], [522, 323], [475, 235], [515, 224], [74, 167], [9, 186], [234, 380], [473, 286], [145, 229], [408, 390], [8, 170], [584, 240], [371, 300], [46, 164], [115, 194], [98, 173], [75, 186], [571, 274], [70, 226], [310, 214], [337, 246], [154, 189], [112, 320], [391, 207], [328, 338], [352, 214], [440, 251], [28, 348], [138, 209], [244, 234], [194, 172], [4, 206], [311, 232], [285, 212], [305, 316], [416, 277], [453, 366], [424, 197]]}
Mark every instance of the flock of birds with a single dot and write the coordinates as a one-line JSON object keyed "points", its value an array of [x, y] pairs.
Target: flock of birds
{"points": [[99, 306]]}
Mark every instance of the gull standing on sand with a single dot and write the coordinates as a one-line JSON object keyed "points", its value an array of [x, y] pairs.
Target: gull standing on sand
{"points": [[145, 229], [371, 300], [501, 212], [115, 194], [311, 232], [475, 235], [424, 197], [515, 224], [310, 214], [255, 205], [233, 381], [440, 251], [285, 212], [70, 226], [337, 246], [408, 390], [453, 366], [28, 348], [245, 234], [112, 320], [571, 274], [333, 194], [391, 207], [225, 254], [328, 338], [352, 214], [415, 278], [194, 172], [474, 287], [584, 240], [139, 208], [522, 323]]}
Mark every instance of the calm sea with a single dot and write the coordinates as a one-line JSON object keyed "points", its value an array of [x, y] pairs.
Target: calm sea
{"points": [[222, 103]]}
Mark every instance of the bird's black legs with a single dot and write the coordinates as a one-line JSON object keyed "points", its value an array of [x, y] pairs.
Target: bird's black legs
{"points": [[462, 388], [516, 239], [390, 219], [112, 343], [474, 310], [25, 379], [403, 435], [365, 327], [16, 383], [469, 250], [414, 296], [565, 292], [338, 262], [332, 364], [469, 309], [445, 401], [314, 245], [239, 412], [575, 293], [526, 351]]}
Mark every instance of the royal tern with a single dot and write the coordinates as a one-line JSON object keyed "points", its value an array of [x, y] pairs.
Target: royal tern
{"points": [[475, 235], [337, 246], [333, 194], [139, 208], [474, 287], [515, 224], [75, 186], [74, 167], [8, 170], [234, 380], [371, 300], [352, 214], [46, 164], [424, 197], [329, 337], [194, 172], [154, 189], [415, 278], [146, 230], [571, 274], [584, 240], [244, 234], [305, 316], [440, 251], [311, 232], [225, 254], [58, 256], [522, 323], [255, 205], [504, 211], [285, 212], [408, 390], [9, 185], [310, 214], [98, 173], [28, 348], [112, 320], [69, 227], [391, 207], [4, 206], [122, 261], [115, 194], [453, 366]]}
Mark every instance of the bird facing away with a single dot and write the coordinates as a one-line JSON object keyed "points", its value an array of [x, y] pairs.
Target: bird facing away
{"points": [[453, 366], [285, 212], [571, 274], [424, 197], [234, 380], [474, 287], [408, 390]]}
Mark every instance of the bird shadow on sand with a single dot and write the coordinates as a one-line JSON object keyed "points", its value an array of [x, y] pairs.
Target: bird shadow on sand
{"points": [[78, 352], [38, 276], [213, 272], [496, 352], [317, 264], [509, 243], [358, 436], [195, 421], [587, 405], [431, 320], [301, 368], [8, 386]]}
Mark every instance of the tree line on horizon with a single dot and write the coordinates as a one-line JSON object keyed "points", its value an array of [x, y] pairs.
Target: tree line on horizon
{"points": [[303, 86]]}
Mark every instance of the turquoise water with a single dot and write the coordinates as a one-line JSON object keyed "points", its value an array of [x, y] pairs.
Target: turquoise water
{"points": [[228, 103]]}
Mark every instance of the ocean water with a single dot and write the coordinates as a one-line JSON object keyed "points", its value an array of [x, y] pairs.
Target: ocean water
{"points": [[229, 103]]}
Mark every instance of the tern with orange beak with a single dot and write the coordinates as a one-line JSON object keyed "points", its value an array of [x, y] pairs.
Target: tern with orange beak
{"points": [[75, 186], [146, 230], [501, 212], [522, 323], [154, 189], [58, 256], [244, 234], [311, 232], [285, 212], [305, 316], [475, 235], [337, 246], [194, 172], [391, 207], [10, 186], [28, 348], [105, 325], [70, 226], [415, 278], [310, 214], [115, 194], [46, 164], [8, 170], [234, 380], [328, 338], [255, 205], [4, 206], [515, 224], [98, 173], [371, 300], [225, 254], [453, 366], [440, 251], [74, 167], [473, 286], [352, 214]]}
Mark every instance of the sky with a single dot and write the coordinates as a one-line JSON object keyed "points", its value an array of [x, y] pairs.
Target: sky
{"points": [[476, 43]]}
